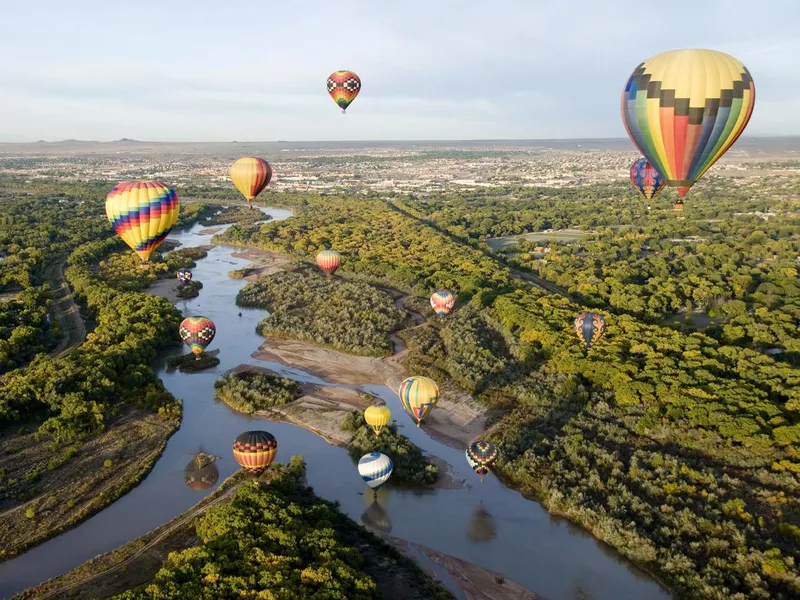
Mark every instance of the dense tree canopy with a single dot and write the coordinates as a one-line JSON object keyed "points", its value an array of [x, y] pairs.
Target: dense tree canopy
{"points": [[350, 316]]}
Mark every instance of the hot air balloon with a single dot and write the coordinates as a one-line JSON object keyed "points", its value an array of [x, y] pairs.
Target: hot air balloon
{"points": [[646, 179], [142, 213], [589, 326], [201, 473], [442, 302], [377, 416], [418, 395], [375, 469], [481, 456], [329, 261], [343, 86], [251, 175], [255, 450], [683, 109], [184, 276], [197, 333]]}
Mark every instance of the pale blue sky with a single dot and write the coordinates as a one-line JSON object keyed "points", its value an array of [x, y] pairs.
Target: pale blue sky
{"points": [[431, 69]]}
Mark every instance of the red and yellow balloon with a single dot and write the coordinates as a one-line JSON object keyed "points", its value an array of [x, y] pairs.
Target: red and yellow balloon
{"points": [[251, 175], [343, 86]]}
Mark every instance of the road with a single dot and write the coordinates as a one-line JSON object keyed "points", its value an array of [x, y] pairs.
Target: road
{"points": [[65, 310]]}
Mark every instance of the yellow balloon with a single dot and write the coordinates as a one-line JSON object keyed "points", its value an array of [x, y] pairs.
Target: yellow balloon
{"points": [[251, 175], [377, 417]]}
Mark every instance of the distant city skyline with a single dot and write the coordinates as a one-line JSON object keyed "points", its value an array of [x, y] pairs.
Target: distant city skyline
{"points": [[212, 72]]}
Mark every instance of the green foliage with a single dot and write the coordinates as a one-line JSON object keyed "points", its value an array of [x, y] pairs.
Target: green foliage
{"points": [[192, 363], [378, 243], [249, 391], [190, 290], [25, 329], [278, 540], [241, 214], [410, 466], [349, 316], [79, 392]]}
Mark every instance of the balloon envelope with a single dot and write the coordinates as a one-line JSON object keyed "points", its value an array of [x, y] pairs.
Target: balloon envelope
{"points": [[442, 302], [377, 417], [197, 333], [329, 261], [418, 395], [646, 179], [184, 276], [481, 456], [251, 175], [589, 327], [343, 86], [375, 469], [683, 109], [255, 450], [142, 213]]}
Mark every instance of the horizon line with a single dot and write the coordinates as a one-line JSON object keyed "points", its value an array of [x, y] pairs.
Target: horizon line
{"points": [[385, 141]]}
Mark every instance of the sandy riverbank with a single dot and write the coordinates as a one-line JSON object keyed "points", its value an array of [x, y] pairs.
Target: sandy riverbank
{"points": [[262, 262], [166, 288], [475, 582], [456, 420]]}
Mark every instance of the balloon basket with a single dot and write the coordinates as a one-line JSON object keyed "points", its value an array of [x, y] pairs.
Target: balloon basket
{"points": [[344, 112]]}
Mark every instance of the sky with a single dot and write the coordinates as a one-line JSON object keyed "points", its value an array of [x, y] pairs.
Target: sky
{"points": [[224, 70]]}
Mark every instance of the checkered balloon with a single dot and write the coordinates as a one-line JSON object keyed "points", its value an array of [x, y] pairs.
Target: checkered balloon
{"points": [[197, 333]]}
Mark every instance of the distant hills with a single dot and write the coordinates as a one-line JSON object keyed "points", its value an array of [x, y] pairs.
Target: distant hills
{"points": [[755, 144]]}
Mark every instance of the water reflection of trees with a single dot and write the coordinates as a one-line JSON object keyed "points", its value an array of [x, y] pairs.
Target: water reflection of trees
{"points": [[481, 527]]}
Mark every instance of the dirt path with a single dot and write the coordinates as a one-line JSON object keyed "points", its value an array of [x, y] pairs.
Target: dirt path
{"points": [[65, 310]]}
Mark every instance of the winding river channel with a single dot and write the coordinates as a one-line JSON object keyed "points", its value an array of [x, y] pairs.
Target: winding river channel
{"points": [[487, 524]]}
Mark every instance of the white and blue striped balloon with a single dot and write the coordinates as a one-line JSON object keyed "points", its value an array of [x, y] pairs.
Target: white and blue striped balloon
{"points": [[375, 468]]}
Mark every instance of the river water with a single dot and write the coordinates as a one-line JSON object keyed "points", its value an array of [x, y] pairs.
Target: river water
{"points": [[484, 523]]}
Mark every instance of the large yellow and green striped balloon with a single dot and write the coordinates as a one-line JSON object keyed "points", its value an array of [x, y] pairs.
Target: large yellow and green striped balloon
{"points": [[684, 109], [142, 213], [418, 396]]}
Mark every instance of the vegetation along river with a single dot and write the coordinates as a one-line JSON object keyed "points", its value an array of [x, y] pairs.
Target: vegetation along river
{"points": [[519, 539]]}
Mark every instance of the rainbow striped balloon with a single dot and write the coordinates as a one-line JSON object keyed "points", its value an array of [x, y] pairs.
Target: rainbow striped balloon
{"points": [[329, 261], [343, 86], [683, 109], [251, 175], [255, 450], [442, 303], [418, 395], [142, 213], [375, 469], [646, 179]]}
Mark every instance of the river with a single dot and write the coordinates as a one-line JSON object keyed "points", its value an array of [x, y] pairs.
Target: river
{"points": [[484, 523]]}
